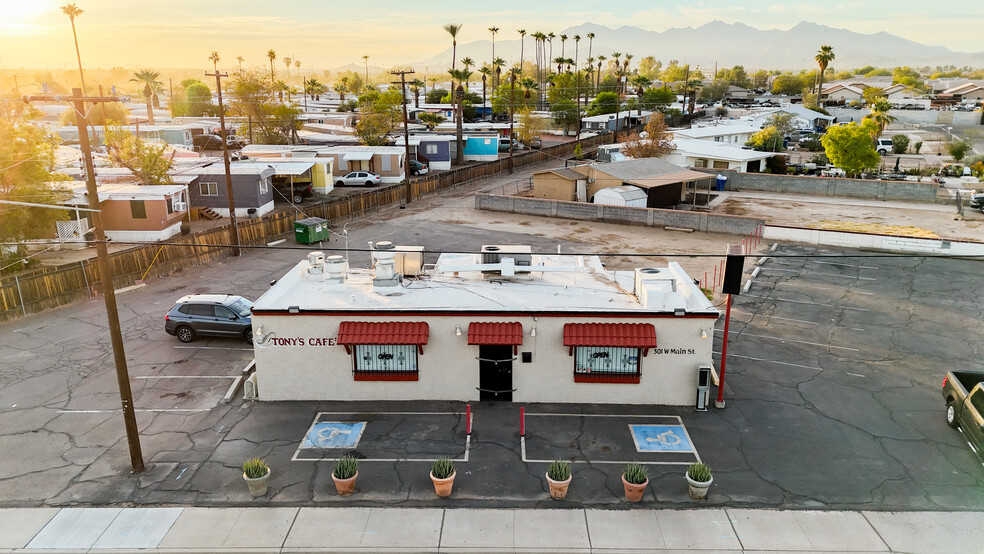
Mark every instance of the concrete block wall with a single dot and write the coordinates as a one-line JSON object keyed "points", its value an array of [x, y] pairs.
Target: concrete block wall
{"points": [[651, 217], [905, 191], [873, 241]]}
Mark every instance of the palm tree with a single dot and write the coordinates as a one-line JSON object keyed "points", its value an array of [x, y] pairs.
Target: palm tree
{"points": [[493, 30], [341, 87], [591, 37], [601, 61], [240, 59], [287, 61], [550, 37], [149, 79], [365, 60], [522, 41], [529, 85], [467, 62], [559, 60], [497, 65], [824, 56], [458, 94], [415, 87], [452, 30], [486, 72], [272, 55], [641, 82], [879, 114], [71, 10]]}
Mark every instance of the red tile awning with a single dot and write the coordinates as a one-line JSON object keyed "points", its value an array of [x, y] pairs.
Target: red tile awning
{"points": [[630, 335], [495, 333], [385, 332]]}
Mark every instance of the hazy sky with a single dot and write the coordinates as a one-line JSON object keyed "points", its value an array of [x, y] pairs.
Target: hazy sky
{"points": [[330, 33]]}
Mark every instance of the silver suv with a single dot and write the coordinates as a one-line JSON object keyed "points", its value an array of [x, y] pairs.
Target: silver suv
{"points": [[214, 315]]}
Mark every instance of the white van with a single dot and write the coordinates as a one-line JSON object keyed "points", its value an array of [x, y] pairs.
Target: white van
{"points": [[884, 146]]}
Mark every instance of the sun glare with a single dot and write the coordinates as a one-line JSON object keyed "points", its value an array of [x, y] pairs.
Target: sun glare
{"points": [[20, 15]]}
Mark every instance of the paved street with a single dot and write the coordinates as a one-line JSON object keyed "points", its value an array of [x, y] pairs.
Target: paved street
{"points": [[832, 392]]}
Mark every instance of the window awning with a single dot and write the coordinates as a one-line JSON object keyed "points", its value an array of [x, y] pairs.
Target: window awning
{"points": [[385, 332], [495, 333], [361, 156], [631, 335]]}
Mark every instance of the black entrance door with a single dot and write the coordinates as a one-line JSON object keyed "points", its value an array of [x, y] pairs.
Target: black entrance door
{"points": [[495, 372]]}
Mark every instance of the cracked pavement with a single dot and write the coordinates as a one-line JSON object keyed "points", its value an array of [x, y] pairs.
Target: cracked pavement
{"points": [[832, 391]]}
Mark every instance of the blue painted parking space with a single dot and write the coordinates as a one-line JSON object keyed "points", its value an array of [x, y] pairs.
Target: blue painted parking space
{"points": [[660, 438], [334, 434]]}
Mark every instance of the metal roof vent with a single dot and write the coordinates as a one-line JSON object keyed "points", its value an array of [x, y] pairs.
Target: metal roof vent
{"points": [[384, 266], [316, 263], [335, 267]]}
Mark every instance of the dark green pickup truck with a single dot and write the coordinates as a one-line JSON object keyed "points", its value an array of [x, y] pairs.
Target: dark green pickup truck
{"points": [[964, 395]]}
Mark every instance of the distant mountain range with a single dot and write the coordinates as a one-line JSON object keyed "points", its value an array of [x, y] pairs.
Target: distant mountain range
{"points": [[726, 45]]}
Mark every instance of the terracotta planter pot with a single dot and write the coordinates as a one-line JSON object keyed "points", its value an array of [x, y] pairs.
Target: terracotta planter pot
{"points": [[257, 486], [443, 486], [633, 492], [345, 487], [558, 489], [696, 489]]}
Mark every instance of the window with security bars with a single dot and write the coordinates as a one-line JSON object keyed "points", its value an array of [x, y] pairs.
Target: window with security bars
{"points": [[606, 361], [385, 361]]}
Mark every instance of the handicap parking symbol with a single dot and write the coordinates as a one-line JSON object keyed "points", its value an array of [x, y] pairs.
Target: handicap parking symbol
{"points": [[333, 434], [660, 438]]}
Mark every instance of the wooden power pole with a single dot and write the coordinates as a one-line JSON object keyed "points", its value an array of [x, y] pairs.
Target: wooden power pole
{"points": [[234, 231], [406, 122]]}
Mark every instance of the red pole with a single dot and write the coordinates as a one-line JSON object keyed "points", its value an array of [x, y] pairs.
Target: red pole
{"points": [[721, 273], [467, 419], [724, 354], [715, 275], [705, 281], [522, 421]]}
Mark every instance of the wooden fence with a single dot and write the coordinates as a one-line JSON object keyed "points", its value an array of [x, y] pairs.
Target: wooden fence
{"points": [[33, 291]]}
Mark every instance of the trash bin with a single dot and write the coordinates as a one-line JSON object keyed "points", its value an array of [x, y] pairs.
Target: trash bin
{"points": [[310, 230], [721, 180]]}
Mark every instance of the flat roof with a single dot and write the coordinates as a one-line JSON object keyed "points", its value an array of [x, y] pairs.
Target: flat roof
{"points": [[576, 285], [120, 191]]}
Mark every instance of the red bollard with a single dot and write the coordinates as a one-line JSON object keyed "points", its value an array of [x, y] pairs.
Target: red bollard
{"points": [[522, 421], [705, 281], [715, 275], [467, 419]]}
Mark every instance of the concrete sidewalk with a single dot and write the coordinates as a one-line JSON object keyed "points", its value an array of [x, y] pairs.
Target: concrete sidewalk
{"points": [[478, 530]]}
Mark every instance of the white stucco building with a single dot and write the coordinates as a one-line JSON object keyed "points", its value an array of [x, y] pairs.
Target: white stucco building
{"points": [[504, 324]]}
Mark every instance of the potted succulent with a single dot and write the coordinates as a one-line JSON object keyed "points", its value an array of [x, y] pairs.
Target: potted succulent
{"points": [[256, 473], [442, 474], [559, 478], [344, 474], [699, 479], [635, 477]]}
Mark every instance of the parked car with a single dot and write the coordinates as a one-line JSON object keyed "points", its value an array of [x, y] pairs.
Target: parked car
{"points": [[214, 142], [884, 146], [504, 144], [296, 193], [359, 178], [963, 392], [417, 168], [976, 200], [536, 143], [213, 315]]}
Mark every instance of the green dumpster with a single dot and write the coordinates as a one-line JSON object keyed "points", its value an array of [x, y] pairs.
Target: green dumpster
{"points": [[311, 229]]}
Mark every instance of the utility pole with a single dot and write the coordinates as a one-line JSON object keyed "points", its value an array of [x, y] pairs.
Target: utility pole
{"points": [[406, 132], [512, 107], [225, 158], [304, 81], [170, 97], [105, 273]]}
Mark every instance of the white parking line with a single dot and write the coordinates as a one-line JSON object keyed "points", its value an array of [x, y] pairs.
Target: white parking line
{"points": [[189, 410], [771, 361], [846, 265], [805, 302], [789, 340], [841, 276], [788, 284], [216, 348], [777, 269], [185, 377]]}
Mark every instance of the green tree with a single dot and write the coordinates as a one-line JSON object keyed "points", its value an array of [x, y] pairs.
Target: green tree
{"points": [[850, 147], [564, 112], [528, 126], [198, 100], [787, 83], [879, 116], [657, 99], [649, 67], [27, 152], [768, 139], [900, 143], [252, 97], [782, 121], [146, 161], [907, 76], [436, 95], [958, 149], [654, 142], [380, 113], [604, 102]]}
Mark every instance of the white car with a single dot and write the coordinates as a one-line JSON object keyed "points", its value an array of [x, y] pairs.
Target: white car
{"points": [[884, 146], [359, 178]]}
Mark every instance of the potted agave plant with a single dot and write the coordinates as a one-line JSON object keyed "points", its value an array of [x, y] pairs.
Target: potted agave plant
{"points": [[256, 473], [635, 477], [699, 479], [559, 478], [442, 474], [344, 474]]}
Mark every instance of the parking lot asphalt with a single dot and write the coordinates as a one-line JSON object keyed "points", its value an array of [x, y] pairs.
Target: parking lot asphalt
{"points": [[832, 401]]}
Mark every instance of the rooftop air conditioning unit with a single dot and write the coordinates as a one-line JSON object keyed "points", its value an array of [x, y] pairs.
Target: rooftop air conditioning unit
{"points": [[494, 253]]}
